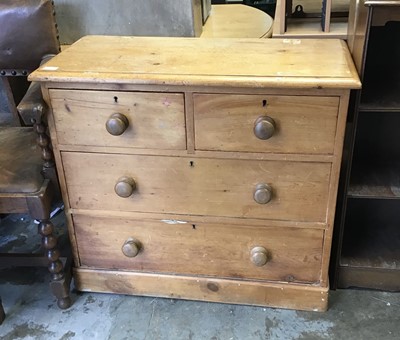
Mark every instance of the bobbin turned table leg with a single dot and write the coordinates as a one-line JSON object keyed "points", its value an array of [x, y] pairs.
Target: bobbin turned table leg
{"points": [[59, 280]]}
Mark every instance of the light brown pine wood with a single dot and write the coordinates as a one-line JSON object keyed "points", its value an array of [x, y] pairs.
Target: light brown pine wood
{"points": [[305, 297], [193, 219], [200, 153], [204, 170], [189, 117], [198, 186], [304, 124], [200, 249], [205, 62], [61, 177], [237, 21], [333, 189], [156, 120], [132, 87]]}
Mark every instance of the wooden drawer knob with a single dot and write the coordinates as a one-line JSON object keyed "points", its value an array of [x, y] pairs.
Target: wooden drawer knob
{"points": [[117, 124], [264, 127], [263, 193], [259, 256], [125, 186], [131, 247]]}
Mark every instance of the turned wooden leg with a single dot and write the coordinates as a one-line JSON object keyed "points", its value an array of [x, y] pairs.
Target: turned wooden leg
{"points": [[43, 141], [59, 281], [2, 314]]}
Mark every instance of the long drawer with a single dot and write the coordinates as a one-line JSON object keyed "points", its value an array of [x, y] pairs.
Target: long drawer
{"points": [[265, 123], [265, 253], [119, 119], [198, 186]]}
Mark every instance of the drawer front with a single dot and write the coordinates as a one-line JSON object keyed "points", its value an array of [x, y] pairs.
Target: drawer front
{"points": [[283, 254], [198, 186], [262, 123], [135, 119]]}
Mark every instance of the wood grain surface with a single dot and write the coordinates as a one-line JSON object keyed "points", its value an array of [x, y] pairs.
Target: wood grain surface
{"points": [[174, 247], [156, 120], [309, 63], [304, 124], [184, 185], [295, 296]]}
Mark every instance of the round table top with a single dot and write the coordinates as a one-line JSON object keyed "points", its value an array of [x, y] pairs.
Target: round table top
{"points": [[237, 21]]}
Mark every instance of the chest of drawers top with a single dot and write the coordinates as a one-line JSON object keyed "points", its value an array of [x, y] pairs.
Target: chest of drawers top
{"points": [[288, 63]]}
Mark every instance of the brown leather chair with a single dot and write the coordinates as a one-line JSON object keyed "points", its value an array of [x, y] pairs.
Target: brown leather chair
{"points": [[28, 180]]}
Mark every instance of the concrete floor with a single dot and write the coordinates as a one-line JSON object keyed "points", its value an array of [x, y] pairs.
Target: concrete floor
{"points": [[32, 312]]}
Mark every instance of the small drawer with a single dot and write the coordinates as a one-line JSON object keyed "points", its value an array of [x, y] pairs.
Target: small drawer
{"points": [[263, 123], [119, 119], [265, 253], [198, 186]]}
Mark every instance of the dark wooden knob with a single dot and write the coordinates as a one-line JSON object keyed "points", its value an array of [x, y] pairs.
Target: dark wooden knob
{"points": [[131, 247], [259, 256], [264, 127], [263, 193], [125, 186], [117, 124]]}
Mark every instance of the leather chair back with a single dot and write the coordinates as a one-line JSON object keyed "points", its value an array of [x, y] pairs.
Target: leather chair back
{"points": [[28, 32]]}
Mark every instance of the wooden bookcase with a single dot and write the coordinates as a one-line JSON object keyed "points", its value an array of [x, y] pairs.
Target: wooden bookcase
{"points": [[312, 26], [367, 236]]}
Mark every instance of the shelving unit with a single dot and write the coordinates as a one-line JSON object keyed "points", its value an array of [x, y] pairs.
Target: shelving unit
{"points": [[289, 27], [367, 252]]}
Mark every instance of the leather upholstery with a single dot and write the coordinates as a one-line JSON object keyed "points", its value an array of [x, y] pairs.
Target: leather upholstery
{"points": [[28, 32], [33, 100], [20, 161]]}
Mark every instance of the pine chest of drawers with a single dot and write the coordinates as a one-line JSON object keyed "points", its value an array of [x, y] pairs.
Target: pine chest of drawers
{"points": [[200, 169]]}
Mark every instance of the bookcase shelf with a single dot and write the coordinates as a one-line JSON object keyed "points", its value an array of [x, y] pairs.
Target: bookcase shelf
{"points": [[289, 27], [371, 245], [367, 226]]}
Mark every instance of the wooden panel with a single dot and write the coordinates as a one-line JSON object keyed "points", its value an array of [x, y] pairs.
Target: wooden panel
{"points": [[200, 249], [197, 288], [303, 124], [197, 186], [294, 157], [368, 277], [11, 203], [359, 18], [206, 62], [333, 188], [156, 120], [195, 219]]}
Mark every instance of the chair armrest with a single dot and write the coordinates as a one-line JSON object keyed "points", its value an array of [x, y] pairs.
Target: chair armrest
{"points": [[32, 103]]}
